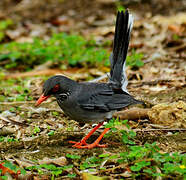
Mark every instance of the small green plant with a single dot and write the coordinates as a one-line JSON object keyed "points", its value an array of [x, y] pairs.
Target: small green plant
{"points": [[11, 168], [141, 160], [12, 109], [8, 139], [91, 163], [113, 123], [3, 26], [175, 37], [53, 169], [71, 175], [119, 6], [73, 156], [55, 113], [127, 136], [36, 130], [2, 138], [51, 133], [135, 60], [14, 90]]}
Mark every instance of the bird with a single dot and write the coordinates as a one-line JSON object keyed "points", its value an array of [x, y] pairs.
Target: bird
{"points": [[95, 102]]}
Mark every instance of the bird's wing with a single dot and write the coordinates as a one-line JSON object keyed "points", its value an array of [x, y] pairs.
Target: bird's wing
{"points": [[104, 99]]}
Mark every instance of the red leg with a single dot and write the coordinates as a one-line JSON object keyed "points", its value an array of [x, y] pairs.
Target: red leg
{"points": [[83, 141], [96, 142]]}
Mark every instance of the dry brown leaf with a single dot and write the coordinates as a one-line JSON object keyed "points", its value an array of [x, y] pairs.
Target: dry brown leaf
{"points": [[24, 163], [96, 72], [61, 161], [172, 115], [175, 28], [7, 131]]}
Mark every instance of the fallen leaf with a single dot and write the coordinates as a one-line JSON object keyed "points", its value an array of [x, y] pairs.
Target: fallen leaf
{"points": [[24, 162], [172, 115], [61, 161], [87, 176], [175, 28]]}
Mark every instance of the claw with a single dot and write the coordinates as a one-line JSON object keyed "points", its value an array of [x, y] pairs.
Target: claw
{"points": [[84, 145], [78, 143], [90, 146]]}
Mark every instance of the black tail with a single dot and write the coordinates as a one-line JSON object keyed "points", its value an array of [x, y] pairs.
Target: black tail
{"points": [[123, 29]]}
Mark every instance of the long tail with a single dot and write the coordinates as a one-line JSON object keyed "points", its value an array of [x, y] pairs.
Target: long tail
{"points": [[123, 30]]}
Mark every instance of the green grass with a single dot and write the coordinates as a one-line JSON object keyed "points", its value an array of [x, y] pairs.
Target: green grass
{"points": [[135, 60], [14, 90], [63, 49], [8, 139]]}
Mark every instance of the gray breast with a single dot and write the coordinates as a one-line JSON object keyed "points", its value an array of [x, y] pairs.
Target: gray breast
{"points": [[76, 113]]}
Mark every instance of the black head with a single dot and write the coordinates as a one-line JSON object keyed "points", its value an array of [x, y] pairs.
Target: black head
{"points": [[55, 85]]}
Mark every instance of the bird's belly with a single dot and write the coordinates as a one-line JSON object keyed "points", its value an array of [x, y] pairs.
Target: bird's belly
{"points": [[85, 116]]}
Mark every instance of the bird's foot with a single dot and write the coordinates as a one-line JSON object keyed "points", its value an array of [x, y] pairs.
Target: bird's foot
{"points": [[84, 145], [89, 146], [82, 142]]}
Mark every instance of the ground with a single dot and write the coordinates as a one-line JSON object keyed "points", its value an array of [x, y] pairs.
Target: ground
{"points": [[31, 137]]}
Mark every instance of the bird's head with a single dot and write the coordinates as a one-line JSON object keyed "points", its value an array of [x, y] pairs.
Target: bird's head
{"points": [[56, 85]]}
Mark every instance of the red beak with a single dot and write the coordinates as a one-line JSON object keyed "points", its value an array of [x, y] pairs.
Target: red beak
{"points": [[41, 99]]}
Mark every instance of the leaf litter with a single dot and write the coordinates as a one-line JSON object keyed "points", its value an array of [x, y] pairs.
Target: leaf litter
{"points": [[43, 133]]}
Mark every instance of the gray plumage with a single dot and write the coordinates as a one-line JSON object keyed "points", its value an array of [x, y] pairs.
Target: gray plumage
{"points": [[90, 102], [124, 23]]}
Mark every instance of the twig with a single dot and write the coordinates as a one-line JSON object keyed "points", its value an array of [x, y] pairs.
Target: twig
{"points": [[6, 131], [133, 84], [141, 83], [76, 171], [12, 121], [146, 130], [18, 102], [22, 102], [100, 78], [158, 126], [178, 48], [4, 119], [125, 165], [112, 169], [133, 113]]}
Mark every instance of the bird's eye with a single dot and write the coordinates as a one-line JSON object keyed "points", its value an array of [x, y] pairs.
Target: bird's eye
{"points": [[63, 96], [55, 88]]}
